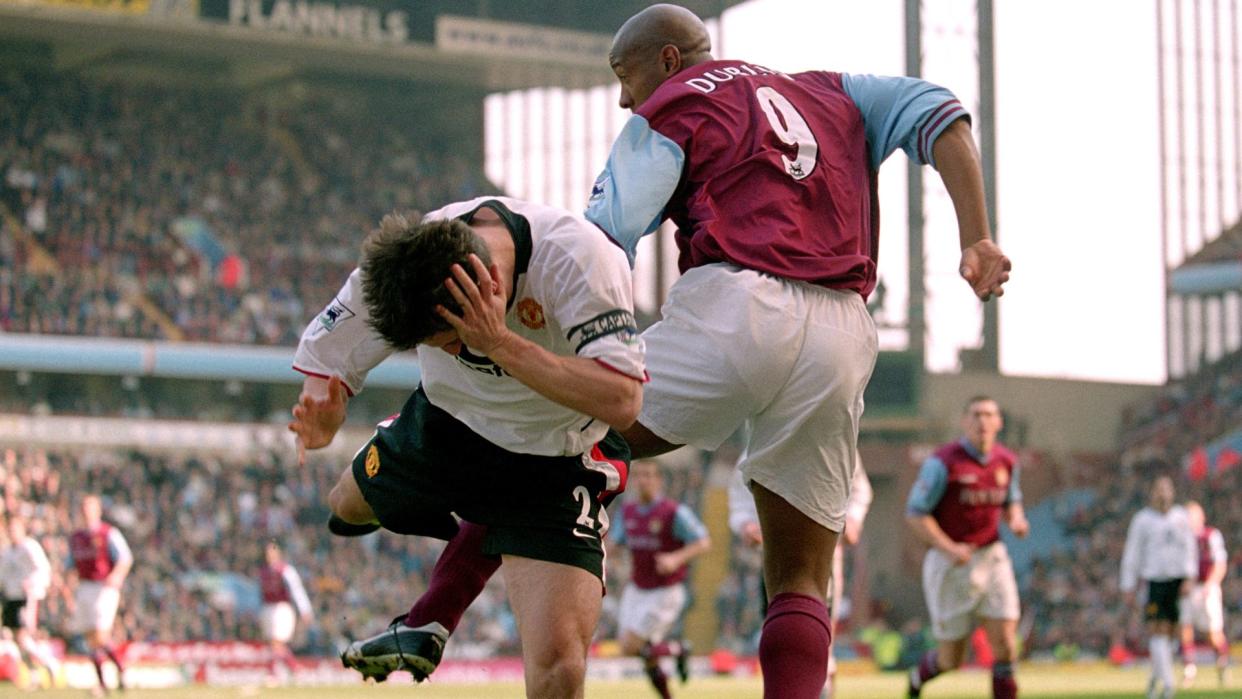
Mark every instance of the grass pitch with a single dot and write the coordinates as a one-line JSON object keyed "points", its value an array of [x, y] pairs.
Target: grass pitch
{"points": [[1035, 681]]}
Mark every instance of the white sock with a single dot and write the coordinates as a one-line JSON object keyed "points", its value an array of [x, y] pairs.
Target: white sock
{"points": [[1162, 659]]}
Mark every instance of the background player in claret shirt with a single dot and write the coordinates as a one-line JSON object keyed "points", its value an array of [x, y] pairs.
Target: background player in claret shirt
{"points": [[955, 507], [1203, 608], [102, 559], [744, 522], [1160, 549], [771, 180], [283, 597], [26, 574], [663, 536]]}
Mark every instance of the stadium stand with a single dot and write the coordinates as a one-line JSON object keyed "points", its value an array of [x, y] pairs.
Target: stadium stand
{"points": [[194, 214]]}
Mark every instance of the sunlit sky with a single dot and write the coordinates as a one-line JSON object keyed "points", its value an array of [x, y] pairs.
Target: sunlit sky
{"points": [[1078, 176]]}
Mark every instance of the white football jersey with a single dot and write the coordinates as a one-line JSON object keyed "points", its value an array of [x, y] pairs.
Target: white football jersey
{"points": [[573, 296], [1159, 546], [21, 564]]}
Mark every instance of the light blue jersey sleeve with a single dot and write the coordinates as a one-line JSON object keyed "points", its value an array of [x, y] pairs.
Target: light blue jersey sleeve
{"points": [[687, 528], [1015, 488], [929, 488], [629, 196], [618, 532], [905, 113]]}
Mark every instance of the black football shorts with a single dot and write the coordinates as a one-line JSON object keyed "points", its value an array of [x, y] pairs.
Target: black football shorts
{"points": [[1162, 599], [424, 464]]}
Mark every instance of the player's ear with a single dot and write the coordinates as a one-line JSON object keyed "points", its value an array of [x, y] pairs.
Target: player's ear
{"points": [[670, 59]]}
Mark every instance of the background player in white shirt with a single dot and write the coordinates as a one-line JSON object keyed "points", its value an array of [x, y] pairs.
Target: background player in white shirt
{"points": [[26, 575], [744, 522], [1160, 549], [1204, 609]]}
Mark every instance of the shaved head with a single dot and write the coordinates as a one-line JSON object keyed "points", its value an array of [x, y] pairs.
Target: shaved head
{"points": [[659, 26]]}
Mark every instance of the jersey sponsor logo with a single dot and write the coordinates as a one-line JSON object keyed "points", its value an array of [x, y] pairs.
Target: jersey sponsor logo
{"points": [[982, 496], [966, 479], [616, 322], [332, 316], [531, 314], [373, 461]]}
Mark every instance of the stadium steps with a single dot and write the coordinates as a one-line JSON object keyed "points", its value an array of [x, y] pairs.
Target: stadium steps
{"points": [[40, 261], [710, 569]]}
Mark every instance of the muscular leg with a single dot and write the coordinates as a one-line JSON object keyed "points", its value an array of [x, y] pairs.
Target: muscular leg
{"points": [[346, 501], [797, 563], [557, 607], [1002, 636]]}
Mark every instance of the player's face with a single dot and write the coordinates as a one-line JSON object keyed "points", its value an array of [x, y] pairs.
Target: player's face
{"points": [[446, 340], [982, 421], [1162, 493], [647, 478], [1194, 514], [639, 77], [92, 510]]}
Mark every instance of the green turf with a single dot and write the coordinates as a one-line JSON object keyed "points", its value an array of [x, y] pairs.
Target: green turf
{"points": [[1037, 682]]}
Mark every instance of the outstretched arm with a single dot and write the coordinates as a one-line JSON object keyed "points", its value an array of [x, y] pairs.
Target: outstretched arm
{"points": [[983, 264]]}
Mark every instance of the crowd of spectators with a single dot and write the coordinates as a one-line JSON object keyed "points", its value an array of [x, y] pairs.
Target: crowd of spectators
{"points": [[197, 524], [209, 214], [1073, 598]]}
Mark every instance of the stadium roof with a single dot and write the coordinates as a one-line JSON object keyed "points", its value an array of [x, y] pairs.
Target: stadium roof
{"points": [[475, 44]]}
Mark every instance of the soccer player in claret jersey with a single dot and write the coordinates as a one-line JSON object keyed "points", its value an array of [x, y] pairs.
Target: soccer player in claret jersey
{"points": [[963, 491], [102, 559], [662, 536], [284, 600], [1203, 609], [1160, 549], [771, 180]]}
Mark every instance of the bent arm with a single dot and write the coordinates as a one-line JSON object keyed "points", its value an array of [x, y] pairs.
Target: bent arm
{"points": [[582, 384], [927, 530], [961, 170]]}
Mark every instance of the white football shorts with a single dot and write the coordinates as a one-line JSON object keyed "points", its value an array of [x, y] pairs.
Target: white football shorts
{"points": [[96, 606], [1203, 608], [958, 596], [791, 359], [651, 614], [278, 621]]}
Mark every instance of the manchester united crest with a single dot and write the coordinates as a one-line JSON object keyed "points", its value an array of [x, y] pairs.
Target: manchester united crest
{"points": [[373, 462], [531, 313], [1002, 478]]}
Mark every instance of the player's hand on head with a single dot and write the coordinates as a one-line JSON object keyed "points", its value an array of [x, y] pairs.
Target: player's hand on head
{"points": [[318, 414], [481, 325], [985, 268]]}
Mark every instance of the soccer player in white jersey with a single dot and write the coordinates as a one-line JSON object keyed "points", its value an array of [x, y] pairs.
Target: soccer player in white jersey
{"points": [[744, 523], [523, 319], [284, 600], [1203, 609], [1160, 549], [26, 575]]}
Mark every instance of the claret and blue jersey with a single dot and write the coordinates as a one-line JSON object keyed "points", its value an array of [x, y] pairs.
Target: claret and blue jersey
{"points": [[966, 490], [768, 171]]}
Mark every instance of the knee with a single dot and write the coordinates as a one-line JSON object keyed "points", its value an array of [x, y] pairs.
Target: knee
{"points": [[631, 644], [561, 675]]}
